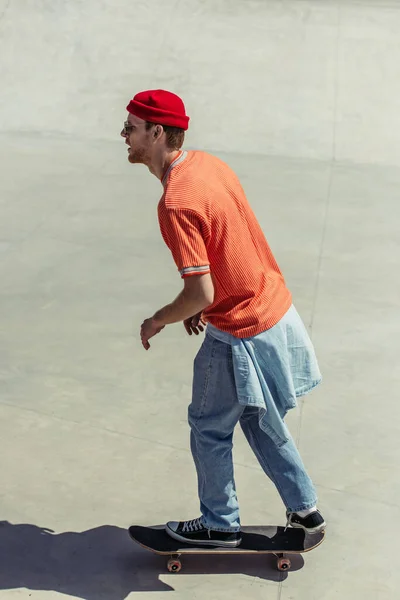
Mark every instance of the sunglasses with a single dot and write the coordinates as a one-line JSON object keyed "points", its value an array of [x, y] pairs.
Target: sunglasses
{"points": [[127, 129]]}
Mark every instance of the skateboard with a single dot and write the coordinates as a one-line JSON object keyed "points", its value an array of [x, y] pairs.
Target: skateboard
{"points": [[255, 540]]}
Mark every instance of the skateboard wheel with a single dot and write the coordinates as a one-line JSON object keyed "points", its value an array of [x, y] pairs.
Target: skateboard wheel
{"points": [[284, 564], [174, 566]]}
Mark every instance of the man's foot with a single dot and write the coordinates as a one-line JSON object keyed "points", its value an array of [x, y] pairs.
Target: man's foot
{"points": [[194, 532], [312, 523]]}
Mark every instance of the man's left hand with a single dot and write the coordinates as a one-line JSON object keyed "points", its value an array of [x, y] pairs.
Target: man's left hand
{"points": [[149, 329]]}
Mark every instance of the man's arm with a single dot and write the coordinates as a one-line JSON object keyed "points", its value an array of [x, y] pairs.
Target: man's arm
{"points": [[182, 230], [197, 294]]}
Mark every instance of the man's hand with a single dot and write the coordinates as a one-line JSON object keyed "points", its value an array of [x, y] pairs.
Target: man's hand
{"points": [[194, 324], [149, 329]]}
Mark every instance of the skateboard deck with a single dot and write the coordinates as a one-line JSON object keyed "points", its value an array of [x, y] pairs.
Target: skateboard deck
{"points": [[255, 540]]}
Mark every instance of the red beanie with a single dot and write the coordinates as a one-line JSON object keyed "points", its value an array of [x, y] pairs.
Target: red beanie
{"points": [[159, 106]]}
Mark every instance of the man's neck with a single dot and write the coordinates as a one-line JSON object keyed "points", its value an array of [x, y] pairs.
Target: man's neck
{"points": [[160, 164]]}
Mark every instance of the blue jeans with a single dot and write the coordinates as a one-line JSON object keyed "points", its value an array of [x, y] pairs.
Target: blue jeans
{"points": [[213, 415]]}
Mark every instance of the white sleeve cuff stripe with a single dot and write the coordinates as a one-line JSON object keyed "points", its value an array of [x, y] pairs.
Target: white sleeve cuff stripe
{"points": [[203, 269]]}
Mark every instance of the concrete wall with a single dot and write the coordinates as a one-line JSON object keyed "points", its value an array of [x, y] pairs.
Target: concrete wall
{"points": [[316, 79]]}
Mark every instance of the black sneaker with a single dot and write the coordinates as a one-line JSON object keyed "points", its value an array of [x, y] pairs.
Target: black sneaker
{"points": [[312, 523], [194, 532]]}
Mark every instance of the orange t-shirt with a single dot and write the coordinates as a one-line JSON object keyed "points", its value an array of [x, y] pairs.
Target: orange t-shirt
{"points": [[209, 226]]}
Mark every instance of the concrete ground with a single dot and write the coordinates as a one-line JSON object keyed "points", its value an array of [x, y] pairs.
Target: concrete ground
{"points": [[300, 99]]}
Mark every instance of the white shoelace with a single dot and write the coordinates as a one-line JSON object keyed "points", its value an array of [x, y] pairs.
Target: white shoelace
{"points": [[192, 526], [289, 521]]}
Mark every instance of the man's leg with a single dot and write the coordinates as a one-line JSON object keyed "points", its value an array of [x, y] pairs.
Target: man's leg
{"points": [[285, 468], [283, 464], [213, 415]]}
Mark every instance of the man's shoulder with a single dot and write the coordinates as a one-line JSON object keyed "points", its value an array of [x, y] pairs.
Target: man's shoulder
{"points": [[173, 201], [199, 172], [202, 158], [187, 187]]}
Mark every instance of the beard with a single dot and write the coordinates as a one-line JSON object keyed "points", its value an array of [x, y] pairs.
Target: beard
{"points": [[138, 156]]}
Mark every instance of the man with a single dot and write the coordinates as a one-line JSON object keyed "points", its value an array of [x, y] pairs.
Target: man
{"points": [[257, 357]]}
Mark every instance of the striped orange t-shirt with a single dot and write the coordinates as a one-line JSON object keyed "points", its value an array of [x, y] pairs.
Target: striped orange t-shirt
{"points": [[209, 226]]}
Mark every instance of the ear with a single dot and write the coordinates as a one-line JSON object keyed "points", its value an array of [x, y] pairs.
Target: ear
{"points": [[157, 131]]}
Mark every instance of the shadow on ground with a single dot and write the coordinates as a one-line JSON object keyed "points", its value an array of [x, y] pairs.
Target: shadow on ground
{"points": [[104, 564]]}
